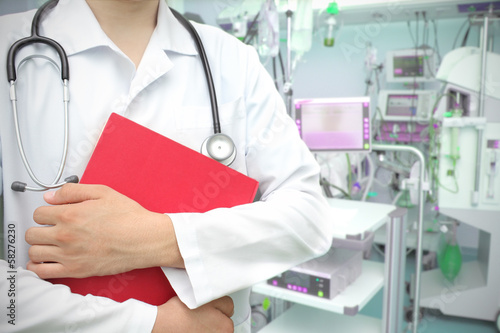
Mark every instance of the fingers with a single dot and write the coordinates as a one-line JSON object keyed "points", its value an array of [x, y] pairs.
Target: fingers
{"points": [[40, 236], [59, 200], [74, 193], [48, 215], [47, 270], [39, 254], [224, 304]]}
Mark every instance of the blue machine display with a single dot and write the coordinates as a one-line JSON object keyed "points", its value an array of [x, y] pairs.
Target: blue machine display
{"points": [[324, 277]]}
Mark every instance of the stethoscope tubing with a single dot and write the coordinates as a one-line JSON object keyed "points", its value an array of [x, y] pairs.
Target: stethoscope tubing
{"points": [[206, 67], [35, 38], [55, 183], [223, 142]]}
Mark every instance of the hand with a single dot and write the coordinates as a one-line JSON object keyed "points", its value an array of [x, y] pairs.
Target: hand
{"points": [[96, 231], [175, 317]]}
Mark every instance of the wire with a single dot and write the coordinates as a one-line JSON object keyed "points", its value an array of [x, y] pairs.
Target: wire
{"points": [[459, 31], [413, 107], [383, 124], [411, 34], [466, 36], [371, 177], [280, 57], [434, 144], [250, 32], [324, 181], [275, 74], [349, 170], [436, 44]]}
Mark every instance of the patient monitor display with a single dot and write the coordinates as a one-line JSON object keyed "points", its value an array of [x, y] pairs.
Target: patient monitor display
{"points": [[410, 65], [400, 105], [338, 124]]}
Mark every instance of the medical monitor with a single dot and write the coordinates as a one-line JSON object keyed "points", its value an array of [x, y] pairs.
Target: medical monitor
{"points": [[403, 105], [410, 65], [334, 124]]}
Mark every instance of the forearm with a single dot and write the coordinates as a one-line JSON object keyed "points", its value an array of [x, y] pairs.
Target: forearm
{"points": [[43, 307], [159, 248]]}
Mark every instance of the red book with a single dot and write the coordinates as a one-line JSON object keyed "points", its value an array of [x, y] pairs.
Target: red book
{"points": [[165, 177]]}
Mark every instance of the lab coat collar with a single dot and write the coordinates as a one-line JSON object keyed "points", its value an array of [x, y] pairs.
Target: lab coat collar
{"points": [[171, 33], [75, 19]]}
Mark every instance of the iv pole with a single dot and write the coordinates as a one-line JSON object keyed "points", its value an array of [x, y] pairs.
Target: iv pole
{"points": [[287, 88], [421, 189]]}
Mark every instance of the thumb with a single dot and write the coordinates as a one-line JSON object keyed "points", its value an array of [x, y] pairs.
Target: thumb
{"points": [[73, 193]]}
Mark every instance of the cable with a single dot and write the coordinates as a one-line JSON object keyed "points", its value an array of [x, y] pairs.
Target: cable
{"points": [[280, 57], [436, 44], [459, 31], [349, 175], [275, 74], [413, 107], [326, 182], [434, 141], [371, 177], [466, 36], [250, 33], [409, 30]]}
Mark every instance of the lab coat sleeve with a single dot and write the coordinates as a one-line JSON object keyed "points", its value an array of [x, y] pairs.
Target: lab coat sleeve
{"points": [[30, 304], [228, 249]]}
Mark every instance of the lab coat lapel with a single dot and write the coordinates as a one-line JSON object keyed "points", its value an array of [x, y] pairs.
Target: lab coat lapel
{"points": [[72, 24], [169, 36], [154, 64]]}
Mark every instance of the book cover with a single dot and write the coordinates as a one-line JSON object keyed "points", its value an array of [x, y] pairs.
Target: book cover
{"points": [[165, 177]]}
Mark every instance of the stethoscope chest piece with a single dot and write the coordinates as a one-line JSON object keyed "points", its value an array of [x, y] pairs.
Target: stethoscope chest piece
{"points": [[219, 147]]}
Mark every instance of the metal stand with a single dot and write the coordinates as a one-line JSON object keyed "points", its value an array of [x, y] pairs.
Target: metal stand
{"points": [[287, 88], [395, 259], [421, 190]]}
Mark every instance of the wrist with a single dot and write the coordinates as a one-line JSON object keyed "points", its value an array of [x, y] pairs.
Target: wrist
{"points": [[163, 249]]}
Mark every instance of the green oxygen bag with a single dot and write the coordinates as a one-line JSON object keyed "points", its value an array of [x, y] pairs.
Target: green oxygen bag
{"points": [[449, 253]]}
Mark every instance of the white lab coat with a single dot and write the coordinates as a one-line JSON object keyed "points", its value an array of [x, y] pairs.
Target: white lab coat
{"points": [[225, 250]]}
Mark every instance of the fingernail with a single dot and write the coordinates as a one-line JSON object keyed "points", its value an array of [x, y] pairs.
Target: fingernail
{"points": [[49, 195]]}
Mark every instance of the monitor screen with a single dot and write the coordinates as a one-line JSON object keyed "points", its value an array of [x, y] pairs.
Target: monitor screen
{"points": [[408, 66], [402, 105], [418, 65], [335, 124]]}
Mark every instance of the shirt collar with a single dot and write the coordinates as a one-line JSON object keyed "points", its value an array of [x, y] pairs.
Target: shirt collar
{"points": [[74, 26]]}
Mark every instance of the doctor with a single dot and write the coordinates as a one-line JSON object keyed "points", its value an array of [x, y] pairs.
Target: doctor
{"points": [[134, 58]]}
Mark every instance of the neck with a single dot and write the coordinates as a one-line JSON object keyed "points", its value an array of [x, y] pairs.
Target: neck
{"points": [[128, 23]]}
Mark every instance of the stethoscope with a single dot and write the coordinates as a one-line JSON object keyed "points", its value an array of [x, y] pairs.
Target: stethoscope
{"points": [[218, 146]]}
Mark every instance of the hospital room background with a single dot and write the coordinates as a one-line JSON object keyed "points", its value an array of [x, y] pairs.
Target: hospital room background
{"points": [[400, 103]]}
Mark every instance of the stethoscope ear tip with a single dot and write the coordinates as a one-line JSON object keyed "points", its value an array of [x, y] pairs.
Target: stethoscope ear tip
{"points": [[72, 179], [18, 186]]}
